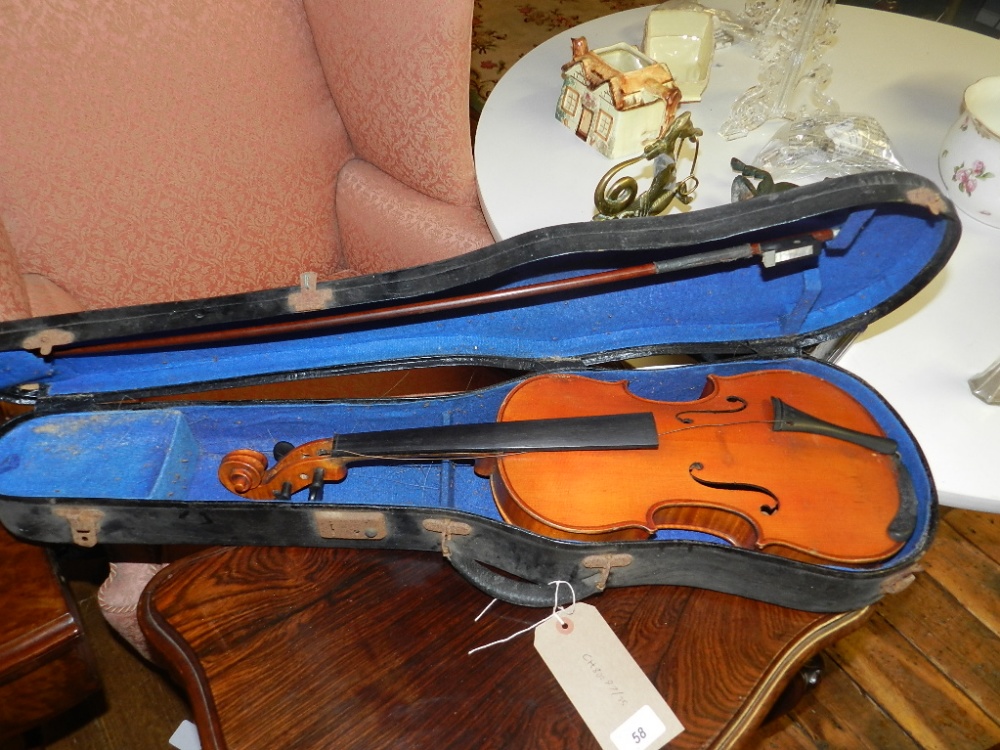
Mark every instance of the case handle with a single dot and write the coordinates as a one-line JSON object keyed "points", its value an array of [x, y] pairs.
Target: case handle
{"points": [[520, 592]]}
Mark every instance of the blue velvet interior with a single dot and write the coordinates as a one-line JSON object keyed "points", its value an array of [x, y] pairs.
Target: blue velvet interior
{"points": [[876, 254], [173, 452], [106, 455]]}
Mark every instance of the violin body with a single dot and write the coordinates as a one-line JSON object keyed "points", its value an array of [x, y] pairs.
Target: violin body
{"points": [[731, 464], [773, 460]]}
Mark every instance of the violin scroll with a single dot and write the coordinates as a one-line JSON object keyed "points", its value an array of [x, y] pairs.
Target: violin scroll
{"points": [[245, 472], [242, 470]]}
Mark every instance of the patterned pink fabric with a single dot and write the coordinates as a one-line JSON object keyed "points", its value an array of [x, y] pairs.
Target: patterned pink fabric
{"points": [[160, 150], [46, 298], [157, 150], [385, 225], [194, 150], [399, 72], [119, 596], [13, 295]]}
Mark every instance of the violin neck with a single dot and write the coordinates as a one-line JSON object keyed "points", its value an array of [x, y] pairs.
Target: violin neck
{"points": [[611, 432]]}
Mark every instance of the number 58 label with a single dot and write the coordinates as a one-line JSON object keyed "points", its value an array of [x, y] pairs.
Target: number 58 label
{"points": [[639, 731]]}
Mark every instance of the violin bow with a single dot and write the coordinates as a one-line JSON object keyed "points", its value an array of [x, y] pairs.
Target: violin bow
{"points": [[770, 253]]}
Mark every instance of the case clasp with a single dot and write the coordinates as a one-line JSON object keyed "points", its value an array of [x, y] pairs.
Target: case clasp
{"points": [[605, 563], [83, 523], [309, 298], [45, 341], [901, 580], [365, 526], [447, 528]]}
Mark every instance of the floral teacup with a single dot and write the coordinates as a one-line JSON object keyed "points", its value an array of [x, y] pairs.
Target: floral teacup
{"points": [[970, 155]]}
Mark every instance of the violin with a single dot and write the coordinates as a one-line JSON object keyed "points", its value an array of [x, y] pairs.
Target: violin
{"points": [[808, 475]]}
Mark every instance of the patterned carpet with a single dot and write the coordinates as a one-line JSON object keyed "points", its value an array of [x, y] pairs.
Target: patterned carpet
{"points": [[504, 31]]}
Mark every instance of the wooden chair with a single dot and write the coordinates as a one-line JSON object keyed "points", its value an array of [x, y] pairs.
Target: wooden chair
{"points": [[45, 663]]}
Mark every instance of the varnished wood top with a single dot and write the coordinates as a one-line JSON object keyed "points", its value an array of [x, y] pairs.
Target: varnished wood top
{"points": [[45, 664], [39, 619], [317, 648]]}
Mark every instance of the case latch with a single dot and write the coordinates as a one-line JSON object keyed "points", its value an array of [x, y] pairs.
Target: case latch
{"points": [[447, 528], [899, 581], [605, 563], [351, 524], [309, 297], [45, 341], [83, 523]]}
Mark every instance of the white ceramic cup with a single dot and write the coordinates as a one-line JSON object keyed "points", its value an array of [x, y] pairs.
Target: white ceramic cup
{"points": [[970, 155]]}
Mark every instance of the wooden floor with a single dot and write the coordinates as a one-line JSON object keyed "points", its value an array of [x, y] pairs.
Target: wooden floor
{"points": [[923, 673]]}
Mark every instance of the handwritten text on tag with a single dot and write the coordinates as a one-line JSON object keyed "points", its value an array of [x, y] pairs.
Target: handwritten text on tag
{"points": [[616, 700]]}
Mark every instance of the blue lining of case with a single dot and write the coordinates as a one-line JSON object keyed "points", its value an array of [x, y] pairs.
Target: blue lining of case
{"points": [[172, 452], [876, 253]]}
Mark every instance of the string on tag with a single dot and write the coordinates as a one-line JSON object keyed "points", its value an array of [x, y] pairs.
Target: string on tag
{"points": [[485, 610], [556, 609]]}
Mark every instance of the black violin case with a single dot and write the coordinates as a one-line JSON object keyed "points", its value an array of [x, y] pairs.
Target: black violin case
{"points": [[92, 462]]}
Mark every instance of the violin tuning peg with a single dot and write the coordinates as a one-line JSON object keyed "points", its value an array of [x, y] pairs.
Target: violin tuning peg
{"points": [[281, 449], [316, 486]]}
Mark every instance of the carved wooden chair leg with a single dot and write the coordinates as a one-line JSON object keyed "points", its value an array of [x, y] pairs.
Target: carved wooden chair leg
{"points": [[805, 681]]}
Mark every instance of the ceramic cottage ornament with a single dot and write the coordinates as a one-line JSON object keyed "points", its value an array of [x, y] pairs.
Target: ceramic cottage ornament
{"points": [[683, 38], [616, 98]]}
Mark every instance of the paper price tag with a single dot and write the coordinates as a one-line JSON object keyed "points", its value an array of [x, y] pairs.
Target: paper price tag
{"points": [[613, 696], [185, 737], [640, 731]]}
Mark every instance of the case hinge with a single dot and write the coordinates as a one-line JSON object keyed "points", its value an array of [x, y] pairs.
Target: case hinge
{"points": [[351, 524], [899, 581], [309, 297], [83, 523], [605, 563], [447, 528], [45, 341]]}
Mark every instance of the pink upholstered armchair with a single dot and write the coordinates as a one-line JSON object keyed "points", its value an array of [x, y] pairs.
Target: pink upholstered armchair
{"points": [[172, 149]]}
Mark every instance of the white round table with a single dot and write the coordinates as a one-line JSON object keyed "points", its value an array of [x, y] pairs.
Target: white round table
{"points": [[907, 73]]}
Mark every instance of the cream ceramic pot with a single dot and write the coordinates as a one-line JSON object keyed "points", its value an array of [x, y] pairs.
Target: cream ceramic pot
{"points": [[970, 155]]}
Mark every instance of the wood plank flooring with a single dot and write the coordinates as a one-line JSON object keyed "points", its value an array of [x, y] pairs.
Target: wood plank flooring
{"points": [[923, 673]]}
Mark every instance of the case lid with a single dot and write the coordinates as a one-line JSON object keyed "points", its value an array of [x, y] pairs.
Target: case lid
{"points": [[770, 276]]}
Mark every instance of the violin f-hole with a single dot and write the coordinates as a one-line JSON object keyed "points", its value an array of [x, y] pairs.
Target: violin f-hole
{"points": [[739, 405], [766, 509]]}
